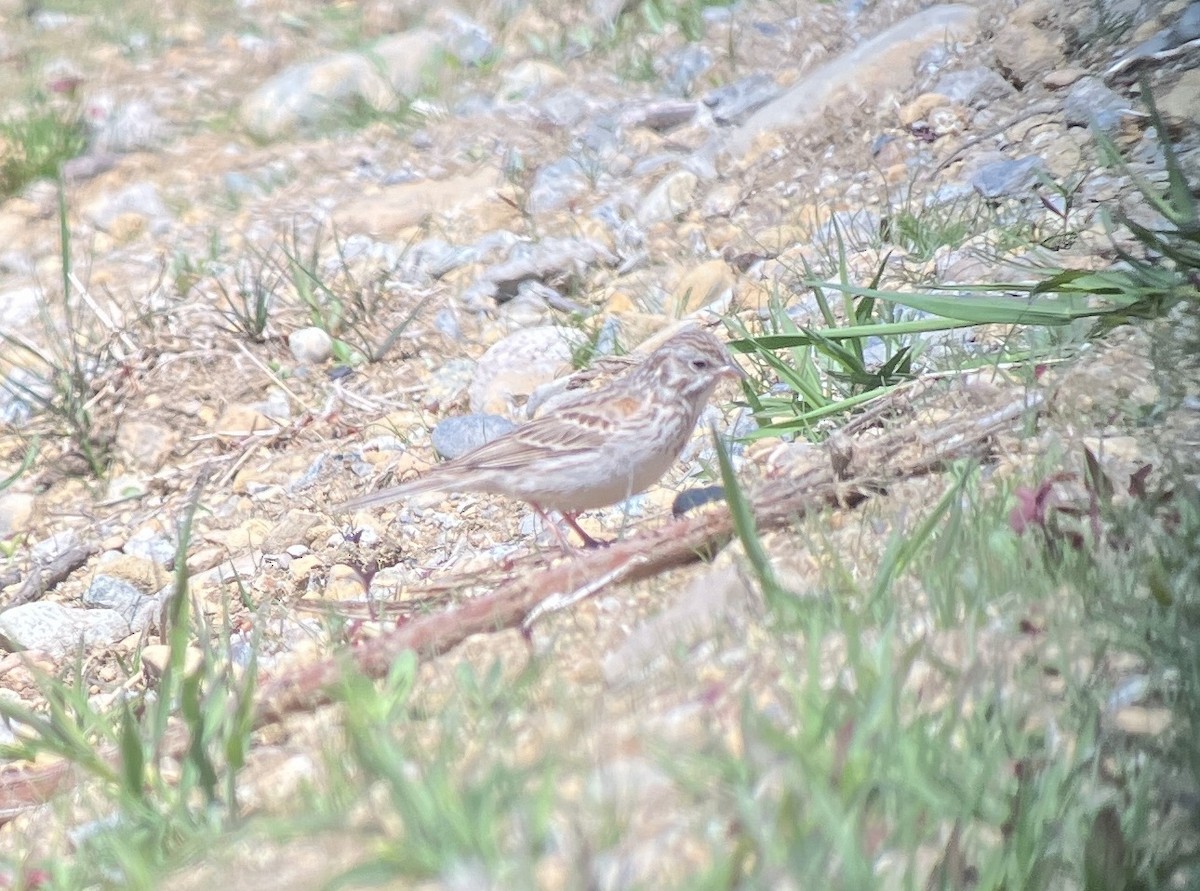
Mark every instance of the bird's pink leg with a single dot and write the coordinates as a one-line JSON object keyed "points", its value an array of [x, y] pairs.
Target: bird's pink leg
{"points": [[588, 541], [563, 541], [569, 519]]}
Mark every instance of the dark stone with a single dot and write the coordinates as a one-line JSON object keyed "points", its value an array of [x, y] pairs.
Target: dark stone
{"points": [[691, 499]]}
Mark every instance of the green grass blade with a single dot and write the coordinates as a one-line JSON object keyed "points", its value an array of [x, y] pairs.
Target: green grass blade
{"points": [[850, 360], [379, 352], [177, 619], [133, 756], [771, 342], [805, 420], [26, 463], [779, 599], [801, 379], [905, 546], [1002, 311]]}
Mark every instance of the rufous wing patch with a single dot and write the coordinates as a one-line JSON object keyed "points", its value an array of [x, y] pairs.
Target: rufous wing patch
{"points": [[626, 406]]}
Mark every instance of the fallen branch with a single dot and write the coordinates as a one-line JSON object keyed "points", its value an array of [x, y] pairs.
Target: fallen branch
{"points": [[848, 477], [21, 789], [41, 577], [667, 547], [845, 473]]}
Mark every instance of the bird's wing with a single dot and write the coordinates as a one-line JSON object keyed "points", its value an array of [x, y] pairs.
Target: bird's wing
{"points": [[568, 431], [573, 430]]}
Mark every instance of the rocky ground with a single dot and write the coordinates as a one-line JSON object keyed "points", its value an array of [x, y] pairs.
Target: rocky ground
{"points": [[473, 199]]}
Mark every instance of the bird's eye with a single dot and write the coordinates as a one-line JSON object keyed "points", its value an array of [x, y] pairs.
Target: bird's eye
{"points": [[700, 364]]}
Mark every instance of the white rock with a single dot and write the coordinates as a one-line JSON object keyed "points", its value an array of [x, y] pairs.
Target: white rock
{"points": [[310, 346], [57, 630], [140, 199], [885, 62], [670, 199], [19, 307], [315, 91], [16, 510], [407, 58], [518, 364]]}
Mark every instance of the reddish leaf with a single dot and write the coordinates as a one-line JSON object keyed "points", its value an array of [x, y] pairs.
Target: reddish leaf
{"points": [[1098, 484], [1105, 853], [1137, 481], [1026, 513], [953, 872]]}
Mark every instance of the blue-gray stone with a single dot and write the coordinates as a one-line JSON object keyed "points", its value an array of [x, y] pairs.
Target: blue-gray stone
{"points": [[600, 138], [56, 543], [240, 185], [876, 352], [1006, 177], [110, 592], [20, 393], [446, 323], [469, 42], [739, 99], [556, 184], [1187, 26], [974, 87], [685, 67], [1090, 102], [566, 108], [455, 436], [662, 114], [152, 546], [431, 259]]}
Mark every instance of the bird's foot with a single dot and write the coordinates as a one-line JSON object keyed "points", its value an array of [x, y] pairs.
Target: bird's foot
{"points": [[588, 541]]}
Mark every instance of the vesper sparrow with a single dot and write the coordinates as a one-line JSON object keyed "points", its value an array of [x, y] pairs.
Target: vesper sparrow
{"points": [[597, 448]]}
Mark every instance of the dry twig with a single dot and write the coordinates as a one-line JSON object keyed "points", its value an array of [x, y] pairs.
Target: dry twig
{"points": [[848, 474]]}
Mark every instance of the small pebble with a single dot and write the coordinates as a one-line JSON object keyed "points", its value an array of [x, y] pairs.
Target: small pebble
{"points": [[310, 346]]}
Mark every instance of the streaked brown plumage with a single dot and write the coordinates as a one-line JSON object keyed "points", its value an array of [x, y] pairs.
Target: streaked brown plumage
{"points": [[597, 448]]}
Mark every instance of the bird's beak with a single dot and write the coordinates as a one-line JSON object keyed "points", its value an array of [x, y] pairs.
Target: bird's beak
{"points": [[734, 372]]}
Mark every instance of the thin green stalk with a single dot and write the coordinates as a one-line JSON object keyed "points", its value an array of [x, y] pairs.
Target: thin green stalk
{"points": [[781, 601]]}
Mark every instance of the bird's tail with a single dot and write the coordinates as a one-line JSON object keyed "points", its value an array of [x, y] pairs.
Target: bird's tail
{"points": [[383, 496]]}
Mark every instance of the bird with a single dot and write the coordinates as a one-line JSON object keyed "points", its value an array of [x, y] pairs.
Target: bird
{"points": [[593, 449]]}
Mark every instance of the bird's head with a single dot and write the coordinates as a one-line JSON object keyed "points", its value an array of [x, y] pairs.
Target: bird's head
{"points": [[692, 363]]}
